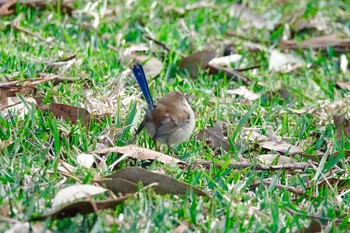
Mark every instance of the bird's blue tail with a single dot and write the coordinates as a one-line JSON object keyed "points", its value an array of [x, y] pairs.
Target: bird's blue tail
{"points": [[140, 76]]}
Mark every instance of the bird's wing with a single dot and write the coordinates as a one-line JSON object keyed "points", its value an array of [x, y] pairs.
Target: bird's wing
{"points": [[170, 124]]}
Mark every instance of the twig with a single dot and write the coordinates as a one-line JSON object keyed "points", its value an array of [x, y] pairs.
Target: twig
{"points": [[337, 220], [297, 191], [33, 34], [243, 165], [235, 75], [160, 44], [9, 220], [248, 68]]}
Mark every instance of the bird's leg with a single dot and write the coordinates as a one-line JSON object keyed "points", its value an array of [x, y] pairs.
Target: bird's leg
{"points": [[155, 145], [171, 149]]}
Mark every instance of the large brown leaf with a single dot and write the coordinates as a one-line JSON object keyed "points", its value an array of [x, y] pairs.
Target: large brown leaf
{"points": [[197, 61], [164, 184], [80, 207]]}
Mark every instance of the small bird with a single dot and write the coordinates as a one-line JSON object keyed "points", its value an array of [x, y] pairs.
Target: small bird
{"points": [[169, 122]]}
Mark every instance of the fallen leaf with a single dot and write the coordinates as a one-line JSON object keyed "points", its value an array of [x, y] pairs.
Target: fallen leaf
{"points": [[183, 227], [314, 227], [152, 66], [141, 153], [269, 159], [253, 135], [214, 137], [117, 185], [19, 227], [342, 125], [322, 42], [343, 63], [11, 90], [81, 207], [86, 160], [63, 63], [197, 61], [13, 106], [68, 112], [282, 62], [344, 85], [163, 184], [282, 93], [75, 192], [281, 147], [226, 60], [245, 93], [7, 7]]}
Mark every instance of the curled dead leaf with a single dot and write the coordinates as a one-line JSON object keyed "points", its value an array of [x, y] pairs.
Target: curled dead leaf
{"points": [[197, 61], [214, 136], [151, 65], [342, 125], [71, 113], [281, 147]]}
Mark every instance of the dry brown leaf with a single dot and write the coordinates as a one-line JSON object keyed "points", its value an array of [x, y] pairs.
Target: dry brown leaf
{"points": [[163, 184], [197, 61], [268, 159], [117, 185], [281, 147], [283, 62], [11, 90], [81, 207], [322, 42], [282, 93], [65, 6], [7, 7], [342, 125], [344, 85], [214, 137], [314, 227], [151, 65], [68, 112], [141, 153]]}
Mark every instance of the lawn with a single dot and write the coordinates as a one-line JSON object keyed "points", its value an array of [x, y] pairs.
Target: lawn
{"points": [[271, 145]]}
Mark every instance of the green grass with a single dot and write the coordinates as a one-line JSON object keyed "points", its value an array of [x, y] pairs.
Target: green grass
{"points": [[31, 148]]}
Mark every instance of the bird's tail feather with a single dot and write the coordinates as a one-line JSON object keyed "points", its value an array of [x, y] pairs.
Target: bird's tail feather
{"points": [[140, 76]]}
